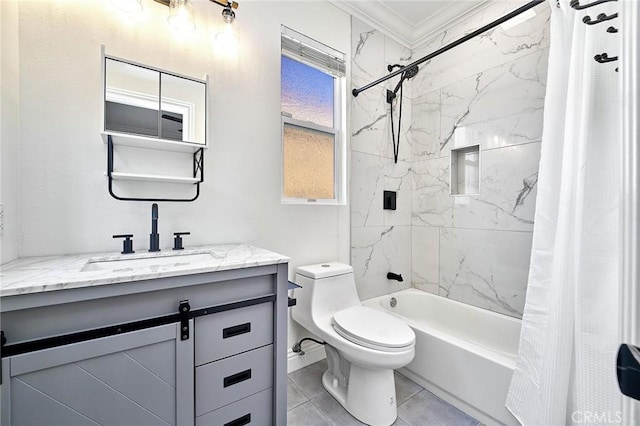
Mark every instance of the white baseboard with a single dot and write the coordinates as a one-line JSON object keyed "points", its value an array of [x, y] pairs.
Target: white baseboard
{"points": [[313, 352]]}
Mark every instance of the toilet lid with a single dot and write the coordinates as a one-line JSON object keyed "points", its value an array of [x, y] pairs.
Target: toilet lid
{"points": [[373, 329]]}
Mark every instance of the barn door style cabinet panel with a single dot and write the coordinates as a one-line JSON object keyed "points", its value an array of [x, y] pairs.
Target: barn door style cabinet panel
{"points": [[131, 378]]}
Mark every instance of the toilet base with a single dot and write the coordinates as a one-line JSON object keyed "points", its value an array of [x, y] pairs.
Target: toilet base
{"points": [[370, 395]]}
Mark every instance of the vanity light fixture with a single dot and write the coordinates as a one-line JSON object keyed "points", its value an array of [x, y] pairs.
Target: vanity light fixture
{"points": [[129, 6], [181, 16], [228, 15], [227, 37]]}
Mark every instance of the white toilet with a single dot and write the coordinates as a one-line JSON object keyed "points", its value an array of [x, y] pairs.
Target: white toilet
{"points": [[363, 345]]}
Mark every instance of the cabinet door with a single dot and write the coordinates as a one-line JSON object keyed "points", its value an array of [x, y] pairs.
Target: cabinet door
{"points": [[143, 377]]}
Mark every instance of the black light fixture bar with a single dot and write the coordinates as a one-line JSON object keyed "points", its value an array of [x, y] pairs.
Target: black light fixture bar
{"points": [[225, 3], [450, 46]]}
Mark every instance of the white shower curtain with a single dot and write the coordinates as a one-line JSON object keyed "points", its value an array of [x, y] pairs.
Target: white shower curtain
{"points": [[565, 371]]}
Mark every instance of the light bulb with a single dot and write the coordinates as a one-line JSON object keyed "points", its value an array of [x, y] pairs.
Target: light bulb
{"points": [[129, 6], [227, 40], [228, 15], [181, 15]]}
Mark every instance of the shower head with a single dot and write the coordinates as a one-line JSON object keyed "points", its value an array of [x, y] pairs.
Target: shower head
{"points": [[410, 73], [405, 75]]}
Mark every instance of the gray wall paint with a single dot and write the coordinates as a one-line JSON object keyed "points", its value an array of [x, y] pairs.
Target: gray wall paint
{"points": [[9, 133]]}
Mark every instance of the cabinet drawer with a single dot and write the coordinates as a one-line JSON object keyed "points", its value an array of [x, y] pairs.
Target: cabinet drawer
{"points": [[228, 333], [255, 410], [228, 380]]}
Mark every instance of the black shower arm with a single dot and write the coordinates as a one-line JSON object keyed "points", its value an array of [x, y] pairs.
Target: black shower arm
{"points": [[518, 11], [395, 91], [402, 78], [390, 68]]}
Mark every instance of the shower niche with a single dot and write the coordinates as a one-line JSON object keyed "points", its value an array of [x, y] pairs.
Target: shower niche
{"points": [[465, 170]]}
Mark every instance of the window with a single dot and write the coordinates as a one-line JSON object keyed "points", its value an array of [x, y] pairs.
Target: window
{"points": [[312, 96]]}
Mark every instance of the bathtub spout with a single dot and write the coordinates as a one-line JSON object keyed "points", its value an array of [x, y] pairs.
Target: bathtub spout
{"points": [[397, 277]]}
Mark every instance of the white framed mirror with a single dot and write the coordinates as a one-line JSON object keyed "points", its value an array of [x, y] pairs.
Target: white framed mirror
{"points": [[143, 101]]}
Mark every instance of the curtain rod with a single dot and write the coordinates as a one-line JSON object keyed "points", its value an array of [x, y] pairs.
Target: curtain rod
{"points": [[468, 37]]}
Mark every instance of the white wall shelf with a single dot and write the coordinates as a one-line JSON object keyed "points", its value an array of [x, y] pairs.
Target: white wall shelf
{"points": [[153, 178], [137, 141], [152, 143]]}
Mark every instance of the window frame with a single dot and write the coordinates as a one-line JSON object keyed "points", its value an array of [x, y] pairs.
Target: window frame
{"points": [[337, 130]]}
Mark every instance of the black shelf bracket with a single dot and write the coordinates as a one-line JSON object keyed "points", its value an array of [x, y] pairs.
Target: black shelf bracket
{"points": [[198, 172]]}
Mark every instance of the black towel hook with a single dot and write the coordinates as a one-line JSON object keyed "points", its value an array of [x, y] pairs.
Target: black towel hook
{"points": [[604, 58], [576, 4], [600, 18]]}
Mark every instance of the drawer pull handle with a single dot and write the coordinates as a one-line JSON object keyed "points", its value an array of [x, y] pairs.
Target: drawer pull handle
{"points": [[237, 378], [240, 421], [236, 330]]}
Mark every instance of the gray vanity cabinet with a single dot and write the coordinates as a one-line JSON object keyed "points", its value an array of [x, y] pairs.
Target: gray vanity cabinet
{"points": [[220, 362], [137, 372]]}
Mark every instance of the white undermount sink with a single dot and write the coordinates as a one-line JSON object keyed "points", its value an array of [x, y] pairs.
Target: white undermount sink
{"points": [[147, 262]]}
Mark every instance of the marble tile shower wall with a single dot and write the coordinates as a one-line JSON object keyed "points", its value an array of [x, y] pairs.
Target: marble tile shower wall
{"points": [[380, 239], [487, 92]]}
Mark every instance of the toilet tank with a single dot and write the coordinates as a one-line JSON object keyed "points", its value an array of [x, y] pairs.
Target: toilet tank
{"points": [[326, 288]]}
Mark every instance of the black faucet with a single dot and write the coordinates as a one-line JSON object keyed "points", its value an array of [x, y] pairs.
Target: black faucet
{"points": [[154, 237], [392, 276]]}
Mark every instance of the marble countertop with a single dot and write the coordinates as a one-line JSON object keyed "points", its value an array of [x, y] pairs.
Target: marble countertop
{"points": [[50, 273]]}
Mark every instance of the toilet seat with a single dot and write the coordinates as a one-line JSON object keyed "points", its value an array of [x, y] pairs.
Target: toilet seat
{"points": [[373, 329]]}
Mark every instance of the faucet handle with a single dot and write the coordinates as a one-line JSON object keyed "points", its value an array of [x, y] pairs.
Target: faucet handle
{"points": [[127, 244], [177, 241]]}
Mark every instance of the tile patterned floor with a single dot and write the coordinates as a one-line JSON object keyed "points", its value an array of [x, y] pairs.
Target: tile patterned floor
{"points": [[309, 404]]}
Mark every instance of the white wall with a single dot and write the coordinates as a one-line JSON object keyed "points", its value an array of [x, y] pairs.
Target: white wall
{"points": [[9, 133], [65, 204]]}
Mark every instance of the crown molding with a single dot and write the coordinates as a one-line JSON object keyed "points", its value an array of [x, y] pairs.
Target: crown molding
{"points": [[381, 16], [371, 13], [445, 18]]}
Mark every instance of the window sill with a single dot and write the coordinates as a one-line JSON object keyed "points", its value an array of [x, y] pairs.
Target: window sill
{"points": [[307, 202]]}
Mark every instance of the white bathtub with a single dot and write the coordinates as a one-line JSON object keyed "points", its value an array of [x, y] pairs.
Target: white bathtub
{"points": [[465, 355]]}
